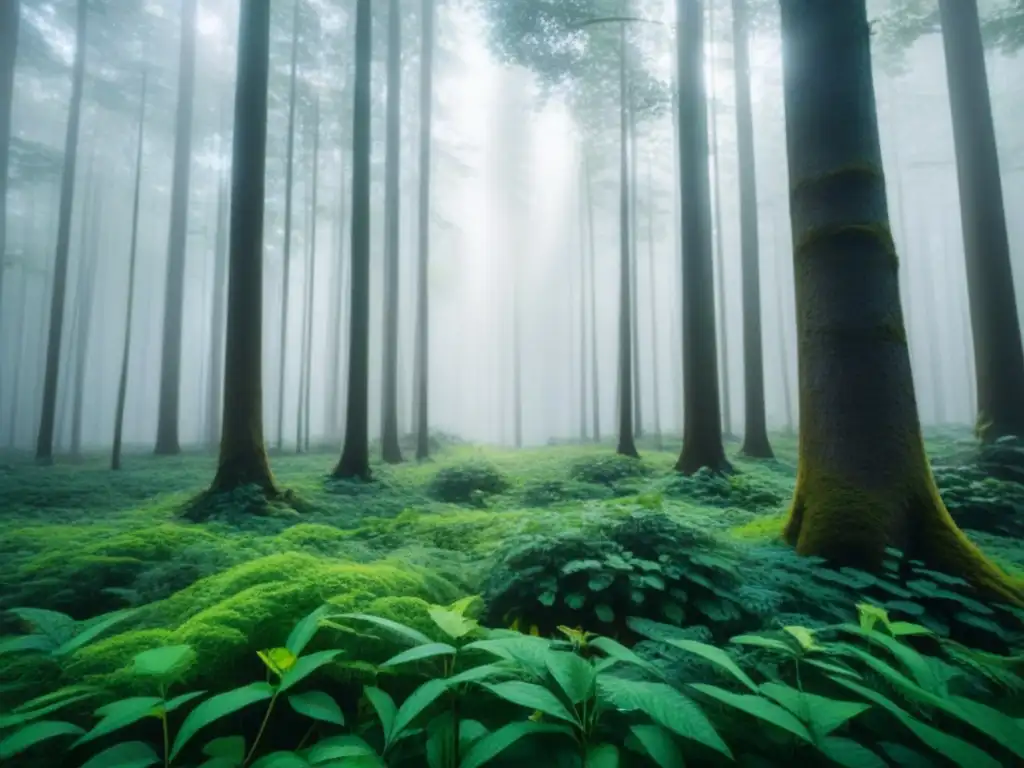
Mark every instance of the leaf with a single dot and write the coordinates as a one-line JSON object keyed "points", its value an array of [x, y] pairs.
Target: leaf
{"points": [[574, 675], [305, 630], [414, 706], [822, 714], [384, 706], [9, 721], [317, 705], [547, 598], [339, 748], [533, 697], [181, 700], [904, 756], [602, 756], [600, 581], [828, 666], [493, 744], [659, 745], [716, 656], [615, 650], [576, 601], [758, 707], [278, 660], [803, 636], [130, 754], [604, 612], [23, 643], [121, 714], [306, 666], [408, 633], [904, 628], [764, 642], [216, 707], [451, 623], [228, 747], [281, 760], [33, 734], [463, 604], [421, 652], [849, 754], [666, 706], [56, 627], [167, 662], [92, 630]]}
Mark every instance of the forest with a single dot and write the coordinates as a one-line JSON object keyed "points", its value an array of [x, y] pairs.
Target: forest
{"points": [[459, 383]]}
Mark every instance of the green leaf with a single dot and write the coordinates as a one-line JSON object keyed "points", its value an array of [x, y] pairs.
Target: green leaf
{"points": [[92, 629], [904, 628], [547, 598], [421, 652], [758, 707], [615, 650], [716, 656], [415, 705], [23, 643], [216, 707], [130, 754], [764, 642], [121, 714], [659, 745], [904, 757], [340, 748], [533, 697], [317, 705], [574, 675], [306, 666], [33, 734], [305, 630], [281, 760], [849, 754], [664, 705], [167, 663], [673, 611], [600, 581], [576, 601], [602, 756], [604, 612], [56, 627], [453, 624], [384, 706], [822, 714], [408, 633], [493, 744], [828, 666], [475, 674], [228, 748], [181, 700], [19, 717]]}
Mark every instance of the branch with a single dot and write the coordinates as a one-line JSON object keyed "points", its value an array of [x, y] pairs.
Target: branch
{"points": [[615, 20]]}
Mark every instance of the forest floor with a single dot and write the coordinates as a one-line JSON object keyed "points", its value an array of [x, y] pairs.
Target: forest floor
{"points": [[80, 539]]}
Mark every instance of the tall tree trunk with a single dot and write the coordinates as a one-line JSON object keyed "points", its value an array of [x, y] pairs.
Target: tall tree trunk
{"points": [[584, 435], [626, 443], [44, 443], [702, 431], [933, 333], [85, 301], [243, 454], [781, 253], [215, 379], [338, 313], [998, 353], [517, 358], [391, 450], [355, 454], [19, 352], [653, 307], [307, 354], [678, 388], [10, 17], [863, 480], [755, 430], [167, 442], [282, 360], [122, 385], [595, 386], [634, 259]]}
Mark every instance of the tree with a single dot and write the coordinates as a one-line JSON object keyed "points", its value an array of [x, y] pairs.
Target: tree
{"points": [[702, 423], [167, 442], [215, 379], [302, 440], [355, 458], [10, 16], [85, 296], [44, 443], [998, 352], [755, 431], [863, 481], [243, 455]]}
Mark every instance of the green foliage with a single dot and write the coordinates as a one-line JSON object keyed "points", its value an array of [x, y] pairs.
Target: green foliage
{"points": [[468, 483], [608, 469]]}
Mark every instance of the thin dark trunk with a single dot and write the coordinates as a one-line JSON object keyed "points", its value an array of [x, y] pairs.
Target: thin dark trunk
{"points": [[626, 444], [998, 352], [44, 443], [634, 260], [355, 458], [702, 431], [19, 351], [595, 386], [122, 385], [307, 354], [10, 17], [87, 291], [782, 253], [167, 441], [653, 306], [583, 310], [678, 389], [391, 450], [215, 379], [755, 430], [338, 313], [422, 372]]}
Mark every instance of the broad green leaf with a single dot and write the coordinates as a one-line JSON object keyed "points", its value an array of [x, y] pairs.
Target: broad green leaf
{"points": [[91, 630], [228, 748], [803, 636], [24, 643], [57, 627], [464, 604], [440, 747], [905, 628], [869, 615], [659, 745], [306, 666], [453, 624], [574, 675], [33, 734], [340, 748], [475, 674], [759, 707], [216, 707], [384, 706], [849, 754], [278, 660], [822, 714], [61, 695], [616, 650], [533, 697], [530, 652], [493, 744], [281, 760], [415, 705], [305, 630], [904, 757], [166, 663], [716, 656], [998, 726], [602, 756], [317, 705], [179, 701], [764, 642], [421, 652], [18, 718], [130, 754], [410, 634], [121, 714], [828, 666], [665, 706]]}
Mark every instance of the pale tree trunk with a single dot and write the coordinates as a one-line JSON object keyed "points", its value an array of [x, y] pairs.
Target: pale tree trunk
{"points": [[626, 443], [595, 395], [10, 17], [653, 307], [307, 334]]}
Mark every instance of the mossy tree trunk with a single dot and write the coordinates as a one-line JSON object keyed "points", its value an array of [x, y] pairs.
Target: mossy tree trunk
{"points": [[998, 352], [355, 453], [167, 440], [243, 455], [391, 451], [44, 442], [626, 443], [10, 17], [702, 428], [863, 481], [129, 311]]}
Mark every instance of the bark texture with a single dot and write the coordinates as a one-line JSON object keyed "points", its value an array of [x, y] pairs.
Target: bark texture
{"points": [[626, 443], [10, 17]]}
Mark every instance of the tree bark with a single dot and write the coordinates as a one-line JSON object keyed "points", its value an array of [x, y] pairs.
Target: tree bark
{"points": [[998, 353], [338, 313], [215, 379], [656, 405], [167, 441], [626, 443], [44, 443], [863, 480], [702, 430], [243, 454], [307, 333], [582, 221], [634, 259], [595, 386], [10, 17], [755, 430], [85, 301], [355, 458]]}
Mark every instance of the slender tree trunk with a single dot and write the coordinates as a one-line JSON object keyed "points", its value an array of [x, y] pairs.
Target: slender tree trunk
{"points": [[634, 259], [122, 385], [595, 386], [780, 254], [584, 436], [19, 352], [517, 358], [626, 443], [702, 432], [653, 306], [44, 443], [243, 454], [338, 313], [10, 17], [85, 301], [678, 388], [167, 441], [863, 481], [215, 379], [998, 353], [932, 321], [391, 450], [303, 339], [355, 458], [282, 360], [307, 355], [755, 430]]}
